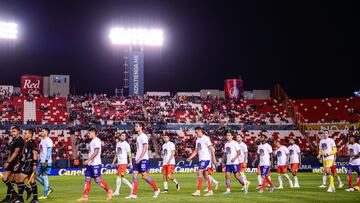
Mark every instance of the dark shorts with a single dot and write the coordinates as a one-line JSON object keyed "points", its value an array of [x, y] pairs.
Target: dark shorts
{"points": [[232, 168], [11, 168], [27, 168], [142, 167], [93, 171], [351, 169]]}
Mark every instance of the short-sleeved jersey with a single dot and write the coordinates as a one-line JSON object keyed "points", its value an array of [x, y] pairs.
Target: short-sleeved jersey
{"points": [[327, 145], [17, 143], [202, 145], [142, 140], [294, 151], [231, 149], [95, 144], [167, 150], [281, 156], [264, 151], [122, 150], [29, 148], [243, 150], [354, 149], [45, 143]]}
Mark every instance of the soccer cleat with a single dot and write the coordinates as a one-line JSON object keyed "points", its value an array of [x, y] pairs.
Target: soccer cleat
{"points": [[322, 186], [217, 186], [210, 193], [109, 195], [43, 197], [272, 189], [19, 201], [132, 196], [350, 189], [83, 199], [357, 188], [296, 186], [165, 191], [116, 193], [246, 188], [177, 186], [196, 193], [261, 191], [331, 189], [291, 184], [280, 187], [341, 185], [206, 190], [227, 192], [156, 193], [50, 191], [242, 189], [258, 187], [34, 201]]}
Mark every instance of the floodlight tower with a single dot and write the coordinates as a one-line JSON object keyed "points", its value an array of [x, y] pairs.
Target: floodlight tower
{"points": [[8, 31], [134, 40]]}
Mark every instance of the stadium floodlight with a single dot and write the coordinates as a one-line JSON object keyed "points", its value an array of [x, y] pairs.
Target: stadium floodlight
{"points": [[136, 36], [357, 93], [8, 30]]}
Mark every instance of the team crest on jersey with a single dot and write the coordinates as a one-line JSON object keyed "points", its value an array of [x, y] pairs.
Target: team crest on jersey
{"points": [[165, 152], [351, 152], [291, 152], [119, 150], [199, 145], [278, 154], [261, 152], [324, 146], [228, 150]]}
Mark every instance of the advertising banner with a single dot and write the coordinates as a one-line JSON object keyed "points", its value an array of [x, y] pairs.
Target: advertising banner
{"points": [[233, 89], [136, 73], [32, 85]]}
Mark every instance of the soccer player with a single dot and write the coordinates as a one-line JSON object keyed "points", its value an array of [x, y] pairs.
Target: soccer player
{"points": [[334, 172], [28, 163], [282, 158], [258, 172], [123, 153], [266, 163], [93, 167], [15, 156], [206, 153], [44, 167], [231, 155], [354, 163], [168, 168], [243, 159], [295, 160], [142, 162], [327, 150]]}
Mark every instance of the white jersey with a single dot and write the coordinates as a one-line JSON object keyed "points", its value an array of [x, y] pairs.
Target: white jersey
{"points": [[95, 144], [281, 156], [264, 151], [122, 150], [141, 140], [354, 149], [327, 145], [231, 149], [167, 150], [294, 151], [45, 143], [202, 145], [243, 150]]}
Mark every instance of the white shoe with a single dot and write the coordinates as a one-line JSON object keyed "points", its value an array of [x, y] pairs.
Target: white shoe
{"points": [[280, 187], [331, 189], [210, 193], [206, 190], [350, 190], [341, 185], [115, 193], [227, 192], [165, 191], [296, 186], [131, 197], [196, 193], [322, 186], [156, 193], [291, 184]]}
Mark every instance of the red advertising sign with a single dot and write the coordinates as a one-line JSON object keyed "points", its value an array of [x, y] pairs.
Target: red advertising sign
{"points": [[233, 89], [31, 84]]}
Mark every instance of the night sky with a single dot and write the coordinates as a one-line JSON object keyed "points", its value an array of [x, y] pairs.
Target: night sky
{"points": [[310, 48]]}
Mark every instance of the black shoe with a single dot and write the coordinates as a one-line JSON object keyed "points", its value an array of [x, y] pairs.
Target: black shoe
{"points": [[14, 197], [28, 193], [34, 201], [18, 201], [177, 186], [50, 191], [5, 200]]}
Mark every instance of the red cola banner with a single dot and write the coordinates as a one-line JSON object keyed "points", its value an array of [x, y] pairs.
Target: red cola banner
{"points": [[32, 84], [233, 89]]}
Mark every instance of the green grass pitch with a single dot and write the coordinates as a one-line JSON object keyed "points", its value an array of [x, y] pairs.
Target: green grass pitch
{"points": [[70, 188]]}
